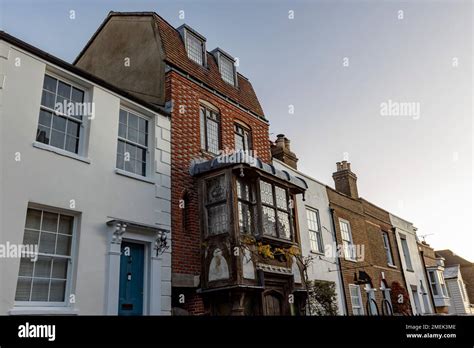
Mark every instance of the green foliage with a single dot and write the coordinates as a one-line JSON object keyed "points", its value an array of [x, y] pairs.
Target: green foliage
{"points": [[322, 298]]}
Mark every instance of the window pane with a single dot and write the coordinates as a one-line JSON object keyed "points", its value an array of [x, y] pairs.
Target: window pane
{"points": [[59, 123], [49, 83], [266, 192], [77, 95], [142, 125], [65, 224], [202, 128], [284, 225], [26, 267], [59, 269], [130, 151], [123, 117], [57, 139], [216, 190], [244, 218], [281, 200], [47, 99], [72, 144], [47, 242], [42, 134], [217, 219], [120, 162], [239, 143], [31, 237], [130, 165], [42, 268], [64, 90], [73, 128], [40, 290], [142, 138], [33, 219], [269, 221], [58, 290], [212, 136], [45, 118], [50, 222], [23, 289], [132, 135], [122, 131], [243, 190], [227, 70], [132, 121]]}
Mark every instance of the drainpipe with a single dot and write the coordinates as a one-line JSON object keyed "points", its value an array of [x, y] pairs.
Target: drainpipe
{"points": [[341, 281]]}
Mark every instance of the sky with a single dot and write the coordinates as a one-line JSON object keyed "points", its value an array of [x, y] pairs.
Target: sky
{"points": [[323, 70]]}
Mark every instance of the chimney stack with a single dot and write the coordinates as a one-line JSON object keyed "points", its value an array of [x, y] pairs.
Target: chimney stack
{"points": [[281, 151], [345, 180]]}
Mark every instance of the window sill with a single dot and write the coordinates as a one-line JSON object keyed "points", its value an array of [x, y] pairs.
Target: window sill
{"points": [[134, 176], [410, 270], [392, 266], [43, 311], [64, 153], [317, 252], [350, 260]]}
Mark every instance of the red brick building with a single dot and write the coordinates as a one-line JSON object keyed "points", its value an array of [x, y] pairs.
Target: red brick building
{"points": [[233, 231], [369, 256]]}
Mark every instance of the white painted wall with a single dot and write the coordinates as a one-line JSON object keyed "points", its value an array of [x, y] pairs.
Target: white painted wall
{"points": [[323, 267], [50, 179], [417, 274], [459, 302]]}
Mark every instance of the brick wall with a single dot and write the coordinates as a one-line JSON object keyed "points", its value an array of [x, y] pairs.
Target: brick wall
{"points": [[367, 223], [185, 96]]}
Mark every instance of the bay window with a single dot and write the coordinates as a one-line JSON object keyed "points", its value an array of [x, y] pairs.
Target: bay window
{"points": [[275, 211]]}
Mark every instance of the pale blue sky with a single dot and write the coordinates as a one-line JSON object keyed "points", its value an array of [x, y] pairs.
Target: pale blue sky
{"points": [[419, 169]]}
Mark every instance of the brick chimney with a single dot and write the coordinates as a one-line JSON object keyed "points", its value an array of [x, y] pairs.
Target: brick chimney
{"points": [[345, 180], [281, 151]]}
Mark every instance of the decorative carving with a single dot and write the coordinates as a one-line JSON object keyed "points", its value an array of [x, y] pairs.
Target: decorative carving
{"points": [[120, 229], [161, 242], [296, 271], [218, 268], [248, 268]]}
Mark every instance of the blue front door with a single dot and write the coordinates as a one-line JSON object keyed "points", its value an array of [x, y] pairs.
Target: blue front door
{"points": [[131, 279]]}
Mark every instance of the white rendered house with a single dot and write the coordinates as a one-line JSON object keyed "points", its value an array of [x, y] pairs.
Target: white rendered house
{"points": [[460, 303], [413, 268], [85, 180], [317, 232]]}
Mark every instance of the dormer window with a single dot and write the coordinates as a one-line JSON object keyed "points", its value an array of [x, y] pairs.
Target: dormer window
{"points": [[226, 66], [195, 44]]}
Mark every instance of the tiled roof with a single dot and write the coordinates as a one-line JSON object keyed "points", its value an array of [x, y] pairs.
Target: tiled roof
{"points": [[176, 56]]}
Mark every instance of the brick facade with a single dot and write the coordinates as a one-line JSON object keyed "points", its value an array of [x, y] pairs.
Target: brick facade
{"points": [[185, 96], [367, 223]]}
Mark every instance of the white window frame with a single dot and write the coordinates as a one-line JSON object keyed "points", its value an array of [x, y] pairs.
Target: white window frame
{"points": [[348, 245], [315, 237], [71, 266], [386, 295], [406, 253], [224, 74], [388, 250], [150, 137], [433, 279], [189, 36], [83, 124], [359, 307], [444, 290]]}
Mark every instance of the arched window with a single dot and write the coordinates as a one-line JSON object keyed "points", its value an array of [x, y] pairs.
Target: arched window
{"points": [[242, 137]]}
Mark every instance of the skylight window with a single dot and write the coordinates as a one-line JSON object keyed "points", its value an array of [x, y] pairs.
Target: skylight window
{"points": [[195, 48], [226, 67]]}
